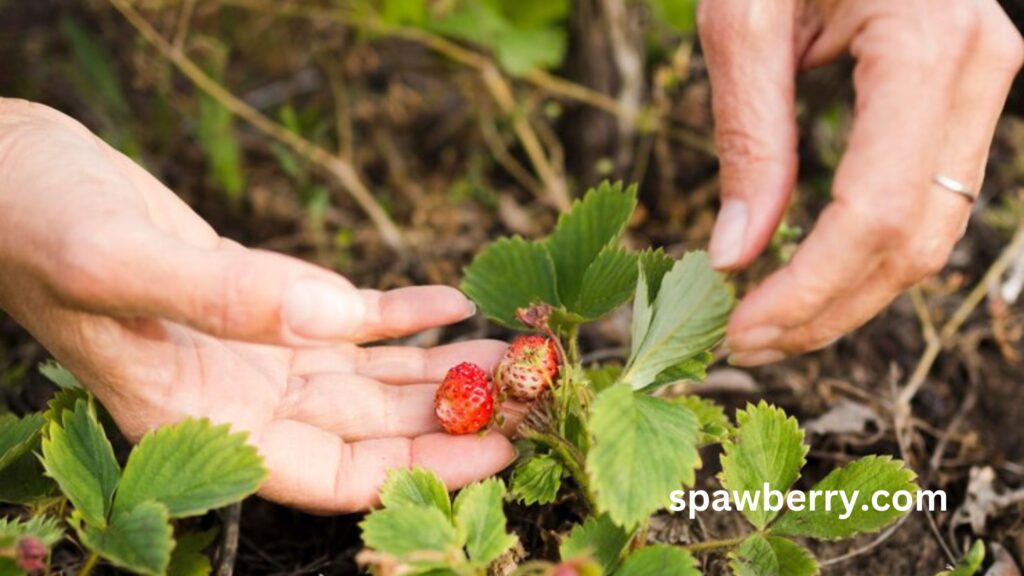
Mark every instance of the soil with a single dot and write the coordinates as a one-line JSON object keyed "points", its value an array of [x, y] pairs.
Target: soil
{"points": [[416, 123]]}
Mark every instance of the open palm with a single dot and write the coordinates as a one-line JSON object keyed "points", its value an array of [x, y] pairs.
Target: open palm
{"points": [[162, 319]]}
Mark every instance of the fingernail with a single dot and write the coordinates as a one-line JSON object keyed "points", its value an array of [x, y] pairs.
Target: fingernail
{"points": [[515, 456], [755, 338], [472, 309], [727, 238], [756, 358], [321, 310]]}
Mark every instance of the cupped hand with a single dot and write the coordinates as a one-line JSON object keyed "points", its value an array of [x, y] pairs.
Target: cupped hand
{"points": [[931, 78], [162, 319]]}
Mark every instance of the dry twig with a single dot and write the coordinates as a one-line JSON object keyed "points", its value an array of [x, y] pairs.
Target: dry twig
{"points": [[341, 170], [936, 342]]}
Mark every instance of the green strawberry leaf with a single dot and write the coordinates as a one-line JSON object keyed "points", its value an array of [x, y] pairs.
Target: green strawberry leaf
{"points": [[659, 560], [970, 563], [188, 558], [480, 519], [520, 41], [693, 369], [138, 539], [867, 475], [583, 232], [77, 454], [46, 528], [415, 487], [608, 282], [510, 274], [476, 21], [643, 313], [536, 480], [23, 481], [190, 467], [61, 402], [598, 538], [18, 435], [769, 449], [714, 424], [410, 530], [655, 264], [687, 318], [59, 375], [602, 377], [770, 556], [520, 51], [643, 448], [403, 12]]}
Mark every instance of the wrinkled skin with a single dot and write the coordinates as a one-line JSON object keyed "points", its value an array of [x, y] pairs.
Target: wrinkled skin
{"points": [[161, 318], [931, 79]]}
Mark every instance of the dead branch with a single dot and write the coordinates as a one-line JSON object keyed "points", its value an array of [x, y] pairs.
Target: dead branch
{"points": [[341, 170]]}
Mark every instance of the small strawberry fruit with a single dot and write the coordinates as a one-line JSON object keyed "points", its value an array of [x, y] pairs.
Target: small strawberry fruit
{"points": [[528, 368], [31, 554], [464, 403]]}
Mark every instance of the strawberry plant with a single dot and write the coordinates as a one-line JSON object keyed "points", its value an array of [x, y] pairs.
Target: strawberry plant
{"points": [[61, 464], [607, 436]]}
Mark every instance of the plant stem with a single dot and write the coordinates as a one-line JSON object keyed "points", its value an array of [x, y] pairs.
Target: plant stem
{"points": [[640, 539], [710, 545], [935, 342], [570, 457], [574, 346], [89, 564]]}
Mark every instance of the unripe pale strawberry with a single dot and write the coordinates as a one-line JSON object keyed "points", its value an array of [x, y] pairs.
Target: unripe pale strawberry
{"points": [[528, 368], [464, 403], [31, 554]]}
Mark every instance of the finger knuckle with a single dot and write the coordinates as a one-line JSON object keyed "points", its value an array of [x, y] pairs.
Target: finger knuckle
{"points": [[741, 145], [938, 41], [885, 224], [1002, 46], [960, 22], [85, 260], [237, 278], [724, 23], [887, 227], [813, 289], [927, 259]]}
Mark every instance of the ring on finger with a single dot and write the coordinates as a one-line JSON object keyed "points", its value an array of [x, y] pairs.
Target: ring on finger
{"points": [[954, 185]]}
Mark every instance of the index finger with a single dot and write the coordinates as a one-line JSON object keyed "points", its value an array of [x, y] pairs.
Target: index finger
{"points": [[751, 55]]}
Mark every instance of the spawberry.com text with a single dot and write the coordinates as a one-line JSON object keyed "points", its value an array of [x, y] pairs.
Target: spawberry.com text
{"points": [[771, 500]]}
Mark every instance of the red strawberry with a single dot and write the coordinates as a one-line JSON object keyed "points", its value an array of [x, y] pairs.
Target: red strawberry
{"points": [[528, 367], [464, 403]]}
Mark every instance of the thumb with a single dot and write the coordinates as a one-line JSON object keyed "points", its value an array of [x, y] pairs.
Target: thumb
{"points": [[750, 53], [226, 291]]}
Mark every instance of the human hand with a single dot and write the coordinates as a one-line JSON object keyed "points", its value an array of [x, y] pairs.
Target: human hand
{"points": [[162, 319], [931, 79]]}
